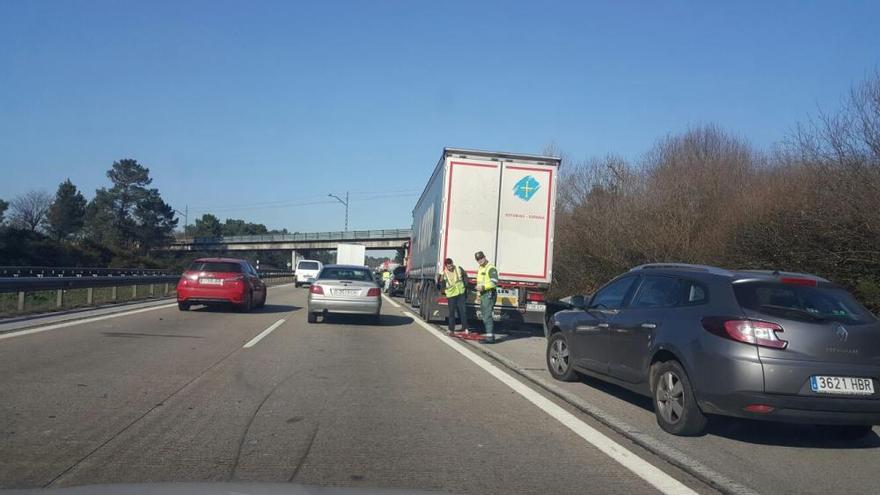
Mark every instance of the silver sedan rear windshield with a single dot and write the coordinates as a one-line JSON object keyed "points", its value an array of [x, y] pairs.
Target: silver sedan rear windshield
{"points": [[802, 302], [334, 273]]}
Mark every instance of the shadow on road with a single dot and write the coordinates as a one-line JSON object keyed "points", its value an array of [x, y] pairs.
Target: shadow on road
{"points": [[753, 431], [267, 309], [788, 435], [358, 320]]}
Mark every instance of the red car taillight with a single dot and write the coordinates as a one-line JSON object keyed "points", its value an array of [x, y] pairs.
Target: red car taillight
{"points": [[317, 289], [374, 292], [762, 333]]}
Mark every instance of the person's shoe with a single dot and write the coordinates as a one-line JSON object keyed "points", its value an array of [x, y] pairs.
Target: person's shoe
{"points": [[450, 332], [489, 339]]}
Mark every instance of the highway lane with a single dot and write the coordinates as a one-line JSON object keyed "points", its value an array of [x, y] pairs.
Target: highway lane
{"points": [[175, 396], [767, 457]]}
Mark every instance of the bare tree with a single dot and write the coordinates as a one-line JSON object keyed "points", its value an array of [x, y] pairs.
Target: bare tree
{"points": [[28, 211]]}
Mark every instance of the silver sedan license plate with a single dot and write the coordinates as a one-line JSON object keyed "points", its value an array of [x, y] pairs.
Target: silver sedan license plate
{"points": [[842, 385], [346, 292]]}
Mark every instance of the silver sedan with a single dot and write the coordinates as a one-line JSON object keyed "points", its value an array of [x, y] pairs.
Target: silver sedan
{"points": [[344, 289]]}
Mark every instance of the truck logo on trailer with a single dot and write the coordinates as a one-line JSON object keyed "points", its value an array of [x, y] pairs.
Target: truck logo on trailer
{"points": [[526, 187]]}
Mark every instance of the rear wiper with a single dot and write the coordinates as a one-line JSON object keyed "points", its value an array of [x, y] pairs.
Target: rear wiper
{"points": [[797, 311]]}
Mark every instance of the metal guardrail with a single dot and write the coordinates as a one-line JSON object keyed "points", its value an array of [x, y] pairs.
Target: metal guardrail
{"points": [[79, 271], [36, 283], [350, 235], [151, 286]]}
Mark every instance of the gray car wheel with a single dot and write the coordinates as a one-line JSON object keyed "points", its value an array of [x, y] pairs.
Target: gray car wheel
{"points": [[674, 403], [312, 317], [560, 359]]}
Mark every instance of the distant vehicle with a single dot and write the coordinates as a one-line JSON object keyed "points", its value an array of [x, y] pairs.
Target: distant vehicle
{"points": [[398, 281], [503, 204], [701, 340], [305, 270], [344, 289], [212, 281], [351, 254]]}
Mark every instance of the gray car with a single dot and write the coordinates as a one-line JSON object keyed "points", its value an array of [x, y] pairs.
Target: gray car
{"points": [[703, 340], [344, 289]]}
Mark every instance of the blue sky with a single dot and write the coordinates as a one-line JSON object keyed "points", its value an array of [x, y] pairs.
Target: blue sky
{"points": [[257, 110]]}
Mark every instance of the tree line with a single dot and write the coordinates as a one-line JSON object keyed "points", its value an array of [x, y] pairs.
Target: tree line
{"points": [[120, 226], [810, 204]]}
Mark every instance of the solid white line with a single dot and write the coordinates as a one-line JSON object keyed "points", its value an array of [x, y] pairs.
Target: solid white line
{"points": [[56, 326], [390, 301], [265, 332], [641, 468]]}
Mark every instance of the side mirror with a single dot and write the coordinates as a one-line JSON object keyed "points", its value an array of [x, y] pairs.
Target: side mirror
{"points": [[578, 302]]}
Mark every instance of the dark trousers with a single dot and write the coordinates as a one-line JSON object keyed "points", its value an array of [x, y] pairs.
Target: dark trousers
{"points": [[457, 304]]}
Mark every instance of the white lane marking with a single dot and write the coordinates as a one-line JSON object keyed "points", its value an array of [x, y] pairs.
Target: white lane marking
{"points": [[56, 326], [390, 301], [265, 332], [641, 468]]}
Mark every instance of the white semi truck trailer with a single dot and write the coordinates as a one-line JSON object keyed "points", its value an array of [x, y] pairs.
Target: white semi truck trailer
{"points": [[503, 204]]}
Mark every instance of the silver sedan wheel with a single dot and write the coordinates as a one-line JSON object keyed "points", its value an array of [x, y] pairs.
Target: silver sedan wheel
{"points": [[670, 397], [559, 356]]}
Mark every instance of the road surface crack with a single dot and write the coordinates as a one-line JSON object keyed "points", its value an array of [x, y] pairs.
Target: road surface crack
{"points": [[306, 453], [138, 419]]}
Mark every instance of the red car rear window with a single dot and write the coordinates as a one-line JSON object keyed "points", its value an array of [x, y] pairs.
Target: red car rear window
{"points": [[214, 266]]}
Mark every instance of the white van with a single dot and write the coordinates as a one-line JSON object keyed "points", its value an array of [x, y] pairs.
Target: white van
{"points": [[306, 269]]}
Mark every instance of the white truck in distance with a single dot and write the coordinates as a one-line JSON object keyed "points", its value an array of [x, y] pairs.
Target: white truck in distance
{"points": [[351, 254], [503, 204]]}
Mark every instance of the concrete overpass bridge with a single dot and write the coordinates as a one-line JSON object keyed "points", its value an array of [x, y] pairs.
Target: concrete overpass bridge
{"points": [[300, 244]]}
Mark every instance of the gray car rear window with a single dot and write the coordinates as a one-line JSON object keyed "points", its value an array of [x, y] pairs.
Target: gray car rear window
{"points": [[802, 302], [334, 273]]}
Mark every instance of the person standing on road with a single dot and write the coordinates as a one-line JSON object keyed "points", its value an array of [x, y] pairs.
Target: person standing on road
{"points": [[453, 282], [487, 291], [386, 279]]}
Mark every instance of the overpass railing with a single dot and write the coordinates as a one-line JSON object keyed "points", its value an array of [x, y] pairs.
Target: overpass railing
{"points": [[351, 235]]}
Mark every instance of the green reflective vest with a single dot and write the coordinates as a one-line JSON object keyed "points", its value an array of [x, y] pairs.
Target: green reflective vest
{"points": [[454, 288], [487, 276]]}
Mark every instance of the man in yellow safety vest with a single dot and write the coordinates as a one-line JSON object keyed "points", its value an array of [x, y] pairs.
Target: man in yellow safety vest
{"points": [[453, 282], [487, 291]]}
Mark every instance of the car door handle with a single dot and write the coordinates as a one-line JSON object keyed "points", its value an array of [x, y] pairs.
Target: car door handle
{"points": [[649, 325], [602, 325]]}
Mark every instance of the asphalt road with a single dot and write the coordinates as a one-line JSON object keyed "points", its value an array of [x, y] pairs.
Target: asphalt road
{"points": [[163, 395]]}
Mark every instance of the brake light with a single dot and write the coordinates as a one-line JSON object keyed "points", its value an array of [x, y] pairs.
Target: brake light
{"points": [[316, 289], [374, 292], [762, 333], [799, 281], [535, 297], [759, 408]]}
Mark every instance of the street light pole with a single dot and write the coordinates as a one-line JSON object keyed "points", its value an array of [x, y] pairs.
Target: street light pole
{"points": [[185, 214], [345, 203]]}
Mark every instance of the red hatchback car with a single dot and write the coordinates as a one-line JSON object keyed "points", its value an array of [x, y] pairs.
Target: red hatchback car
{"points": [[221, 280]]}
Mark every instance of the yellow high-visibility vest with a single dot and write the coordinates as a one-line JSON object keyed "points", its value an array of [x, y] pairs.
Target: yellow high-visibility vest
{"points": [[455, 288], [486, 278]]}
